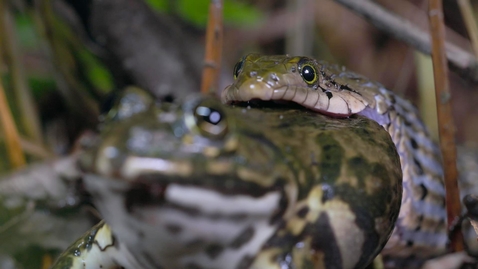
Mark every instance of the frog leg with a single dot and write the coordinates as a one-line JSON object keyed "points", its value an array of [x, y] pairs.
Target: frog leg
{"points": [[97, 248]]}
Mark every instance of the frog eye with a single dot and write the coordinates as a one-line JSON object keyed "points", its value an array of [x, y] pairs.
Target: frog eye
{"points": [[238, 67], [308, 72], [210, 120], [124, 104]]}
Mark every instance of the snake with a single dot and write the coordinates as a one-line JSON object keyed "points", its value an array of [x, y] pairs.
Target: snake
{"points": [[420, 231]]}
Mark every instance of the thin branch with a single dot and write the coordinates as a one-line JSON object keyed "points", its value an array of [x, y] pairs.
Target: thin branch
{"points": [[446, 126], [460, 60], [29, 117], [12, 139], [213, 55], [467, 12], [419, 17]]}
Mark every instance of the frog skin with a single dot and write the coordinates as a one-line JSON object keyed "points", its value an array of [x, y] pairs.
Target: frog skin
{"points": [[203, 185], [332, 90]]}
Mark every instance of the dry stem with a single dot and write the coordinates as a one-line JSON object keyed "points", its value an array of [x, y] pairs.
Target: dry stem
{"points": [[212, 58], [446, 126], [470, 22]]}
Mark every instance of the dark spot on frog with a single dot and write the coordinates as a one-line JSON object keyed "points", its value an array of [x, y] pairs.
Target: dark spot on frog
{"points": [[363, 131], [281, 208], [195, 243], [324, 241], [173, 228], [359, 167], [243, 238], [141, 194], [150, 259], [245, 262], [303, 212], [214, 250]]}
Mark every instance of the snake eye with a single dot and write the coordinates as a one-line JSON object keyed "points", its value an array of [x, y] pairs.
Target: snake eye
{"points": [[210, 120], [238, 67], [308, 72]]}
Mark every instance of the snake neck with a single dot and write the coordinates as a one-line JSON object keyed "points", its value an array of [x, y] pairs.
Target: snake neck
{"points": [[421, 226]]}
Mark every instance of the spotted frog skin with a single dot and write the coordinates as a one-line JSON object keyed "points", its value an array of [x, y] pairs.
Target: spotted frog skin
{"points": [[203, 185], [329, 89]]}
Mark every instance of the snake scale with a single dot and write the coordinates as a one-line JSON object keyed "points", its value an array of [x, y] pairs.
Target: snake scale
{"points": [[420, 230]]}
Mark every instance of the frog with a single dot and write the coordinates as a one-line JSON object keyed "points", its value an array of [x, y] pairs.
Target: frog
{"points": [[421, 231], [199, 184]]}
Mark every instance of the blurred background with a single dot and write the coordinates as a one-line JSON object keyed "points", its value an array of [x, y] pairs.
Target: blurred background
{"points": [[62, 59]]}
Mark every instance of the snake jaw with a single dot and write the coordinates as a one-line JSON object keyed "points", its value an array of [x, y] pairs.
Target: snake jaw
{"points": [[249, 91]]}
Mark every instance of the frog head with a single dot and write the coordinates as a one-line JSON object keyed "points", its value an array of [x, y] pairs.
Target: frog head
{"points": [[185, 185]]}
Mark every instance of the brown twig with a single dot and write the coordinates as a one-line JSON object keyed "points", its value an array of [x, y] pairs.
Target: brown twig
{"points": [[467, 12], [32, 148], [213, 55], [12, 140], [7, 123], [446, 126], [460, 60]]}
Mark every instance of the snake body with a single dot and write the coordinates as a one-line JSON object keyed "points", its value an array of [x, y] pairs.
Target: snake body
{"points": [[420, 230]]}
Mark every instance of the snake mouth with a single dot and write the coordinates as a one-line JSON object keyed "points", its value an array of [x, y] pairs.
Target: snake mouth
{"points": [[321, 101], [273, 104]]}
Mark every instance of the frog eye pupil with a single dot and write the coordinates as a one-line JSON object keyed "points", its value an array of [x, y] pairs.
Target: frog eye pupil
{"points": [[210, 121], [308, 73], [209, 115], [214, 117]]}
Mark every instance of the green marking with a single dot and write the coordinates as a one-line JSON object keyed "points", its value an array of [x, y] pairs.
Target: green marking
{"points": [[330, 161]]}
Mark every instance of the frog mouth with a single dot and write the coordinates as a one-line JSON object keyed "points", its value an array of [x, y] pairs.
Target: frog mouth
{"points": [[160, 190]]}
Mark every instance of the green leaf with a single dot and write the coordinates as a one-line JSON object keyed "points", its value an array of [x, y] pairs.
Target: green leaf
{"points": [[97, 74], [236, 13]]}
